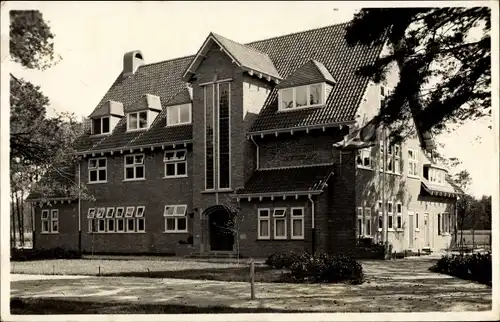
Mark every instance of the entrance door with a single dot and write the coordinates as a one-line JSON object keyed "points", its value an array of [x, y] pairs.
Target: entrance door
{"points": [[411, 234], [426, 231], [221, 234]]}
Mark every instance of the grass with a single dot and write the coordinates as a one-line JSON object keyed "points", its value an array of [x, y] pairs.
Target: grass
{"points": [[148, 268], [49, 306]]}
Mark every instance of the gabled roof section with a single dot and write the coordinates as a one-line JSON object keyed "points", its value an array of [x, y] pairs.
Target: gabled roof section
{"points": [[146, 102], [287, 180], [183, 97], [309, 73], [107, 109], [248, 58], [328, 46]]}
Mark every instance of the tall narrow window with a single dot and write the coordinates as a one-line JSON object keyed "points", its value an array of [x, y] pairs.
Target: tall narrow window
{"points": [[368, 222], [45, 221], [264, 225], [209, 137], [390, 224], [359, 222], [224, 135], [412, 163], [297, 223], [279, 215], [399, 215], [380, 217]]}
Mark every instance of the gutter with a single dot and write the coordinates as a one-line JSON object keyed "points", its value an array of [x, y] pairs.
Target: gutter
{"points": [[127, 148]]}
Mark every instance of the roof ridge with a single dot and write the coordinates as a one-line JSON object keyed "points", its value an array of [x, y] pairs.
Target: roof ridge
{"points": [[318, 165], [298, 32], [168, 60], [239, 43]]}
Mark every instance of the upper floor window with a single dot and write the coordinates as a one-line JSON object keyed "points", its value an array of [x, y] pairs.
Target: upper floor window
{"points": [[175, 218], [134, 167], [100, 125], [97, 170], [302, 96], [137, 120], [436, 175], [175, 163], [393, 158], [364, 158], [179, 114], [412, 163]]}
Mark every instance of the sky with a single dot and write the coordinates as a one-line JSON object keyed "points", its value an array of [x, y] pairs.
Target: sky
{"points": [[92, 38]]}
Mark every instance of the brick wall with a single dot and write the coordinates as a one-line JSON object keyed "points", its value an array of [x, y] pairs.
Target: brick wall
{"points": [[67, 237]]}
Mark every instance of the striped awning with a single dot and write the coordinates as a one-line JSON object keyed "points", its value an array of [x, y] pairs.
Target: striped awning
{"points": [[439, 190]]}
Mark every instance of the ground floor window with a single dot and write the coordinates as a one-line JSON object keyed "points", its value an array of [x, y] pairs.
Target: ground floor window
{"points": [[50, 221], [175, 218], [264, 224], [297, 223], [45, 221], [111, 219], [399, 216], [368, 221], [279, 215], [390, 223], [359, 222], [445, 223]]}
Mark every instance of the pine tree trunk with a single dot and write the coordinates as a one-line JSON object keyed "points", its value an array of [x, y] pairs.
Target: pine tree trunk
{"points": [[22, 218], [19, 219], [13, 218]]}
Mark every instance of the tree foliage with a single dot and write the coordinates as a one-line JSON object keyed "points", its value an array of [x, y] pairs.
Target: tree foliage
{"points": [[443, 56], [31, 40]]}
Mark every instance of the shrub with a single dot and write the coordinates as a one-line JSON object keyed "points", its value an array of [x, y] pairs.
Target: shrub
{"points": [[281, 260], [476, 267], [319, 268]]}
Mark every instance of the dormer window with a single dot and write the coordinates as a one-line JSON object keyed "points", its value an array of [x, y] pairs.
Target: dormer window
{"points": [[100, 125], [179, 114], [436, 176], [137, 121], [302, 96]]}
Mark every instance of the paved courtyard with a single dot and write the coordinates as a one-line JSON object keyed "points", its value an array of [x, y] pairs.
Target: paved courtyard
{"points": [[391, 286]]}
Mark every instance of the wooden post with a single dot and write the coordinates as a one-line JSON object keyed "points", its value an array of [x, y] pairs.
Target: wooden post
{"points": [[99, 270], [53, 269], [252, 279]]}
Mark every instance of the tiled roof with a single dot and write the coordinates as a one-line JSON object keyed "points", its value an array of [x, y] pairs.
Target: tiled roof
{"points": [[280, 56], [146, 102], [311, 72], [283, 180], [328, 46], [249, 57], [59, 179], [108, 108]]}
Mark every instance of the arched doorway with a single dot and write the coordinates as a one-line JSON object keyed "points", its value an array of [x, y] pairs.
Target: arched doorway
{"points": [[220, 230]]}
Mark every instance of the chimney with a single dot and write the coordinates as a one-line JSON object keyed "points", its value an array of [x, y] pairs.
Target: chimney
{"points": [[131, 61]]}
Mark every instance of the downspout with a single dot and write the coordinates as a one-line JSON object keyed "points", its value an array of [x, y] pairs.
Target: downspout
{"points": [[313, 240], [33, 228], [79, 210], [258, 156]]}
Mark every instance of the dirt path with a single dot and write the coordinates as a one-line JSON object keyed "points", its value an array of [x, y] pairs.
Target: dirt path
{"points": [[391, 286]]}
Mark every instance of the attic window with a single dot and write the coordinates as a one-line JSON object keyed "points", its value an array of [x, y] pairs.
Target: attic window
{"points": [[302, 96], [137, 121], [179, 114], [100, 125]]}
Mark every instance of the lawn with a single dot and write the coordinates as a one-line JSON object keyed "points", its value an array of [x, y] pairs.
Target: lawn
{"points": [[185, 269]]}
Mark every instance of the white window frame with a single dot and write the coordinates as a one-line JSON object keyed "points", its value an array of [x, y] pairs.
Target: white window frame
{"points": [[367, 222], [110, 212], [121, 214], [413, 164], [176, 215], [178, 107], [417, 220], [45, 218], [91, 225], [362, 154], [264, 218], [175, 161], [99, 230], [118, 219], [445, 223], [129, 212], [97, 168], [127, 220], [279, 217], [294, 97], [380, 218], [294, 218], [91, 213], [134, 165], [359, 219], [108, 221], [399, 216], [130, 129], [102, 127], [390, 214], [100, 212], [381, 156]]}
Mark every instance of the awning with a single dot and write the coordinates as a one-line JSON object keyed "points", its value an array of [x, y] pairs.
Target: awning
{"points": [[439, 190], [288, 181]]}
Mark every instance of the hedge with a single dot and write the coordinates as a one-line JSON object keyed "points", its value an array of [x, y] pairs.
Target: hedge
{"points": [[476, 267]]}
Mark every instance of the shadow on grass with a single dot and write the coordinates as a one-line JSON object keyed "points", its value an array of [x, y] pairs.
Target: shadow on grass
{"points": [[226, 274], [49, 306]]}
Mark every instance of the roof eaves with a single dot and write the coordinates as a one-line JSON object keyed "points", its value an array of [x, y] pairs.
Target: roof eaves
{"points": [[125, 148], [302, 128]]}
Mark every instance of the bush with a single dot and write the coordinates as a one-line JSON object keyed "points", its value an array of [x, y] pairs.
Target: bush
{"points": [[324, 268], [476, 267], [21, 255], [281, 260]]}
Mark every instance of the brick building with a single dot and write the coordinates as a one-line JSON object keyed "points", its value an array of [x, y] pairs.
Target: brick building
{"points": [[245, 134]]}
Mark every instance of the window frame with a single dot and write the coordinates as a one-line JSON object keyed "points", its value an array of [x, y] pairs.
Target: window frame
{"points": [[261, 218], [112, 209], [108, 221], [89, 215], [125, 215], [390, 215], [103, 220], [308, 95], [413, 164], [399, 216], [176, 216], [100, 214], [280, 217], [117, 220], [294, 218], [359, 222], [361, 154], [169, 108], [137, 113], [367, 222], [122, 213], [52, 220], [134, 166], [45, 220], [175, 162], [101, 125], [97, 168]]}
